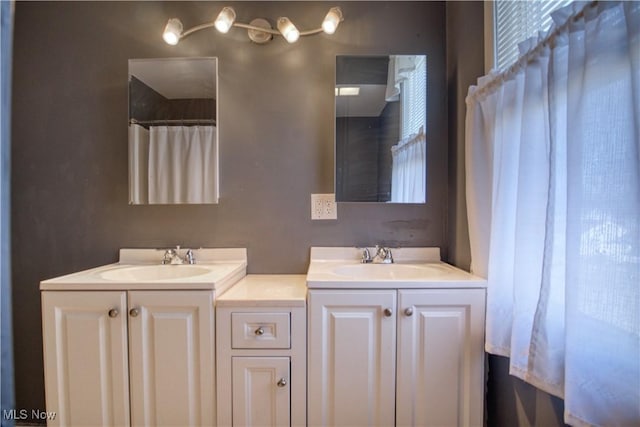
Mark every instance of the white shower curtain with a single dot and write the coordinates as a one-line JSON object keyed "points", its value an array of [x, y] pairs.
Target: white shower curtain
{"points": [[138, 164], [182, 167], [553, 194], [409, 170]]}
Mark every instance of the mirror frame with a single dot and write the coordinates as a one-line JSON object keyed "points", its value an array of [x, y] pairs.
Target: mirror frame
{"points": [[178, 82], [377, 75]]}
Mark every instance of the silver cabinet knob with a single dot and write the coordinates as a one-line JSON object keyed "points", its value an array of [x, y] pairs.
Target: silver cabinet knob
{"points": [[408, 311], [388, 312], [282, 382], [134, 312], [113, 312], [259, 331]]}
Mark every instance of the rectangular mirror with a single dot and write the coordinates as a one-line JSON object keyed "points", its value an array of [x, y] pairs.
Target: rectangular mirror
{"points": [[381, 115], [173, 132]]}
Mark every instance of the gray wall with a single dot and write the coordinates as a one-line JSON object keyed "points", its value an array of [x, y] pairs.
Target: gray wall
{"points": [[6, 341], [509, 401], [465, 59], [69, 205]]}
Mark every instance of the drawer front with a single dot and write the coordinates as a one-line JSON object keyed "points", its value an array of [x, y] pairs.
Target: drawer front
{"points": [[260, 330]]}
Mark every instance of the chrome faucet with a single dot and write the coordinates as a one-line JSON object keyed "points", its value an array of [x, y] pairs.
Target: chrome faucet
{"points": [[384, 254], [172, 256], [366, 256], [189, 257]]}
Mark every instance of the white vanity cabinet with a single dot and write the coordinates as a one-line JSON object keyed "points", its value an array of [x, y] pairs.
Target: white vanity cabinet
{"points": [[440, 357], [261, 344], [85, 358], [351, 357], [132, 343], [171, 356], [118, 358], [261, 394], [406, 357]]}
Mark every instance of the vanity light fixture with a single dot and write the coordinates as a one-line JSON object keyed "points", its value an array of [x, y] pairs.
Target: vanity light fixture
{"points": [[259, 30], [172, 31], [225, 20], [288, 30], [332, 20]]}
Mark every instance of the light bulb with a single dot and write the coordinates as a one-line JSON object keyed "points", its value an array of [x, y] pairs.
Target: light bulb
{"points": [[172, 31], [288, 30], [348, 91], [225, 19], [331, 21]]}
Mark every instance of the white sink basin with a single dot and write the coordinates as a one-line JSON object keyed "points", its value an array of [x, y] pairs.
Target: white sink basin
{"points": [[140, 269], [145, 273], [414, 268], [389, 271]]}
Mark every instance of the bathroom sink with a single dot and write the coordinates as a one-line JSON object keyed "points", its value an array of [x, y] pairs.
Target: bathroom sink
{"points": [[389, 271], [414, 268], [144, 273], [141, 269]]}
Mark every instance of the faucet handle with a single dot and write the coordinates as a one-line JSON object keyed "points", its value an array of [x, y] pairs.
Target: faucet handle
{"points": [[366, 256], [388, 256], [168, 256], [385, 254], [190, 257]]}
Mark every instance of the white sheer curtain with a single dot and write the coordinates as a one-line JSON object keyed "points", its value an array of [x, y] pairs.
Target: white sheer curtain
{"points": [[182, 164], [409, 170], [400, 69], [553, 190], [138, 164]]}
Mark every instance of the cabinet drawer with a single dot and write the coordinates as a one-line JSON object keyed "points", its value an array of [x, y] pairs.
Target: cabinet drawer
{"points": [[260, 330]]}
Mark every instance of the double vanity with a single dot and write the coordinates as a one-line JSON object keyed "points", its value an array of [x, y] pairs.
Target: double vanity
{"points": [[350, 343]]}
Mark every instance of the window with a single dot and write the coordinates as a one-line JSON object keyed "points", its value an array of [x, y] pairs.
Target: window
{"points": [[516, 21], [413, 97], [554, 152], [409, 82]]}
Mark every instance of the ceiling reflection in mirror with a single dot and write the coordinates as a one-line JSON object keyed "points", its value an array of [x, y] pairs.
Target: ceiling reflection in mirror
{"points": [[173, 132], [380, 119]]}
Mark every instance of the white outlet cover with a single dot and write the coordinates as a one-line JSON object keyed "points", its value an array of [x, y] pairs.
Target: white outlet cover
{"points": [[323, 206]]}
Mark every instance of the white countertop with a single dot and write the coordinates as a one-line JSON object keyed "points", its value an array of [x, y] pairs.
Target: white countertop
{"points": [[226, 267], [414, 268], [266, 290]]}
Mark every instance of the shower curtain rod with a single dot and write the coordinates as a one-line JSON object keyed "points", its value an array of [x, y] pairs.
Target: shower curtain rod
{"points": [[172, 121], [412, 140], [532, 54]]}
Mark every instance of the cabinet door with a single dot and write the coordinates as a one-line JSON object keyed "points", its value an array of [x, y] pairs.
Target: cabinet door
{"points": [[351, 358], [85, 355], [172, 358], [440, 357], [261, 391]]}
